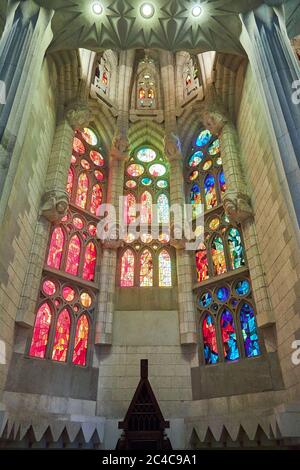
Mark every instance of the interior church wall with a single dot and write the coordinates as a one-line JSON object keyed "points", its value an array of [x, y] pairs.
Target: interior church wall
{"points": [[22, 210], [276, 238]]}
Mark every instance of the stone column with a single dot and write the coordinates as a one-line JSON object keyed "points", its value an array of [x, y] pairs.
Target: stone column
{"points": [[277, 74], [54, 205], [25, 39], [108, 270], [237, 206]]}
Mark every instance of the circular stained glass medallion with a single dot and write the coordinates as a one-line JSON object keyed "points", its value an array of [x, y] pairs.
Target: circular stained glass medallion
{"points": [[157, 170], [96, 158], [146, 155], [196, 159], [242, 287], [203, 138], [135, 170], [205, 299], [89, 136]]}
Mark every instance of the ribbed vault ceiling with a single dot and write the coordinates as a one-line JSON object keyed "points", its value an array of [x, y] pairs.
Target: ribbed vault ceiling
{"points": [[172, 27]]}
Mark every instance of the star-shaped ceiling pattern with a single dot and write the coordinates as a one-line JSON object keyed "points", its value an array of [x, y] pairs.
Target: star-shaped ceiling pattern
{"points": [[172, 27]]}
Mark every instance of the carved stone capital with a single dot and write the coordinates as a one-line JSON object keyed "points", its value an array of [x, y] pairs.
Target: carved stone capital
{"points": [[55, 204], [214, 121], [237, 206], [178, 244], [172, 147], [78, 115], [112, 244], [120, 146]]}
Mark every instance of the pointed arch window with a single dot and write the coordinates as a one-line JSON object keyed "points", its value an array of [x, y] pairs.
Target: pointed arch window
{"points": [[210, 192], [41, 331], [130, 209], [96, 199], [218, 256], [146, 269], [146, 208], [209, 335], [163, 209], [165, 269], [249, 331], [81, 341], [62, 336], [127, 269], [56, 248], [73, 256], [236, 249], [82, 191], [231, 352], [202, 264], [89, 262]]}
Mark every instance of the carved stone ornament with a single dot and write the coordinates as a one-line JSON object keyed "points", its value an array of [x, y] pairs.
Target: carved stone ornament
{"points": [[120, 146], [237, 206], [172, 147], [54, 205], [78, 115], [214, 121]]}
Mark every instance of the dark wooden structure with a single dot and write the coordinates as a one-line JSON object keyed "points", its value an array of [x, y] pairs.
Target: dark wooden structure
{"points": [[144, 425]]}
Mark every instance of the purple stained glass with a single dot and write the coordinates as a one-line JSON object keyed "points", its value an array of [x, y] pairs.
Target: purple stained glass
{"points": [[249, 331], [230, 348]]}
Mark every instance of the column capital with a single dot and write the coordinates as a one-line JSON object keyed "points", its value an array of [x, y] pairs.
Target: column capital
{"points": [[120, 145], [215, 119], [237, 206], [55, 204], [78, 114], [172, 147]]}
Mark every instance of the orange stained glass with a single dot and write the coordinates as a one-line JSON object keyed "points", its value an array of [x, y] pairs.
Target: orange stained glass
{"points": [[70, 181], [202, 264], [146, 208], [96, 198], [82, 191], [218, 256], [73, 256], [89, 262], [56, 248], [78, 146], [127, 269], [41, 332], [96, 158], [81, 341], [142, 94], [62, 336], [210, 192], [146, 269]]}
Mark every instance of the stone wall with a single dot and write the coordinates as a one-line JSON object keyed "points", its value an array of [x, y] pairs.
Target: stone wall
{"points": [[22, 210], [276, 240]]}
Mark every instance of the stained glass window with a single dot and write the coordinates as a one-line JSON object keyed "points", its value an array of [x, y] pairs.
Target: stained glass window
{"points": [[41, 332], [135, 170], [202, 264], [81, 341], [73, 256], [56, 248], [165, 269], [157, 170], [62, 336], [96, 198], [222, 183], [196, 200], [249, 331], [146, 208], [146, 155], [146, 269], [231, 352], [127, 269], [89, 262], [82, 191], [218, 256], [89, 136], [163, 209], [70, 181], [130, 209], [203, 138], [78, 146], [236, 249], [211, 355], [210, 192]]}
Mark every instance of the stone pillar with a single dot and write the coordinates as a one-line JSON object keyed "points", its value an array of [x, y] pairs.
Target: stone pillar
{"points": [[118, 156], [237, 206], [184, 259], [54, 205], [277, 74], [108, 270], [23, 44]]}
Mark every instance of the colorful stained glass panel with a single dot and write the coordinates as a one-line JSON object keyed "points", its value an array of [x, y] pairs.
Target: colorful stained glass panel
{"points": [[203, 138], [157, 170], [41, 332], [73, 256], [249, 331], [56, 248], [127, 269], [81, 341], [211, 355], [236, 249], [89, 262], [62, 336], [146, 269], [146, 155], [218, 256], [165, 269], [230, 348]]}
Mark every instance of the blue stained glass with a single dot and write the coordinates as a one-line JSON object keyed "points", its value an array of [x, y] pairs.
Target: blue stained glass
{"points": [[231, 352], [196, 158], [236, 249], [223, 294], [146, 181], [205, 300], [214, 148], [203, 138], [234, 302], [222, 182], [209, 341], [210, 192], [242, 287], [249, 331], [195, 200]]}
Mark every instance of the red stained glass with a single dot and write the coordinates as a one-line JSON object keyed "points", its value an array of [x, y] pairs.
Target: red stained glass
{"points": [[62, 336], [70, 181], [96, 198], [78, 223], [73, 256], [130, 209], [202, 264], [81, 341], [96, 158], [89, 262], [82, 191], [49, 287], [68, 294], [41, 332], [78, 146], [99, 175], [127, 269], [92, 230], [56, 248], [146, 269]]}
